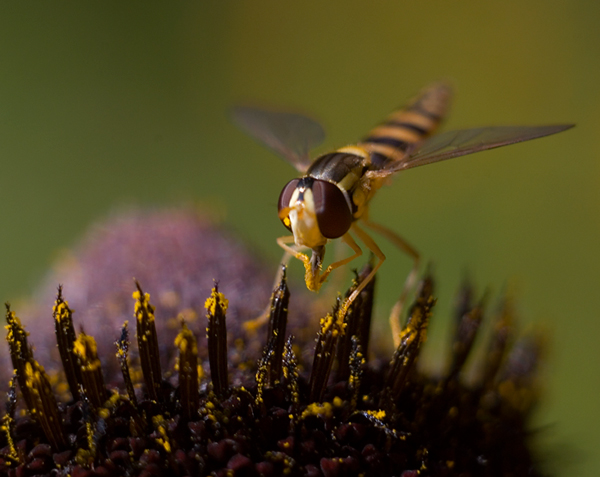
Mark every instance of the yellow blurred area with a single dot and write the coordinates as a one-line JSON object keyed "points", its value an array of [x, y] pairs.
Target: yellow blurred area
{"points": [[106, 104]]}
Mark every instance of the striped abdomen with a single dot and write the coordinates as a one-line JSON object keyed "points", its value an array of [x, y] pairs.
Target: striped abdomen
{"points": [[407, 126]]}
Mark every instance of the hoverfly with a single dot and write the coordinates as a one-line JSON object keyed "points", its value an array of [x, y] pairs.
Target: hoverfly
{"points": [[333, 193]]}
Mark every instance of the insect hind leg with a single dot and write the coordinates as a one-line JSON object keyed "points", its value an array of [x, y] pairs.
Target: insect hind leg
{"points": [[411, 279]]}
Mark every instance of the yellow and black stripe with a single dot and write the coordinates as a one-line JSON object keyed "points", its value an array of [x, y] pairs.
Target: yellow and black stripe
{"points": [[405, 127]]}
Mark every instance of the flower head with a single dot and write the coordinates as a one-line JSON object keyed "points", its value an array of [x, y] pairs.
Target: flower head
{"points": [[315, 402]]}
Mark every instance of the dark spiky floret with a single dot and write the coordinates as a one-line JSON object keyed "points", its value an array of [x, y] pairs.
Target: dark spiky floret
{"points": [[332, 411], [148, 344], [175, 254]]}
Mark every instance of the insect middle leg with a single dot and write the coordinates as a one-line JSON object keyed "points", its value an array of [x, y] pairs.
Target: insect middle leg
{"points": [[346, 238], [411, 279], [373, 247]]}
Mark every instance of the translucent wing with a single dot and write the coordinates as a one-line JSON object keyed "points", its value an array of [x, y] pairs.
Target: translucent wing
{"points": [[467, 141], [290, 135]]}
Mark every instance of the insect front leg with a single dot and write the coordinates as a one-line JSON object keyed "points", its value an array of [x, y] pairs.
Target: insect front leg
{"points": [[312, 275], [411, 279]]}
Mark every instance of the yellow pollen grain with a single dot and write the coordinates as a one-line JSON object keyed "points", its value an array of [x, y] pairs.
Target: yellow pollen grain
{"points": [[143, 304], [214, 299], [377, 414], [315, 409], [79, 348], [61, 310]]}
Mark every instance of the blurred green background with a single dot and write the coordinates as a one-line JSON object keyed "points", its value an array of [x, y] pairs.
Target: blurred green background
{"points": [[105, 104]]}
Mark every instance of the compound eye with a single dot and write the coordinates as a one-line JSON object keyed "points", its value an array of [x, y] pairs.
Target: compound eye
{"points": [[284, 201], [333, 214]]}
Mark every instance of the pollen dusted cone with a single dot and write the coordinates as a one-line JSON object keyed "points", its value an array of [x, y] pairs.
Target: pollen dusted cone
{"points": [[202, 397], [176, 255]]}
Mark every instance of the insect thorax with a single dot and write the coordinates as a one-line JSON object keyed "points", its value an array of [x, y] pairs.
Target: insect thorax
{"points": [[347, 171], [338, 167]]}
